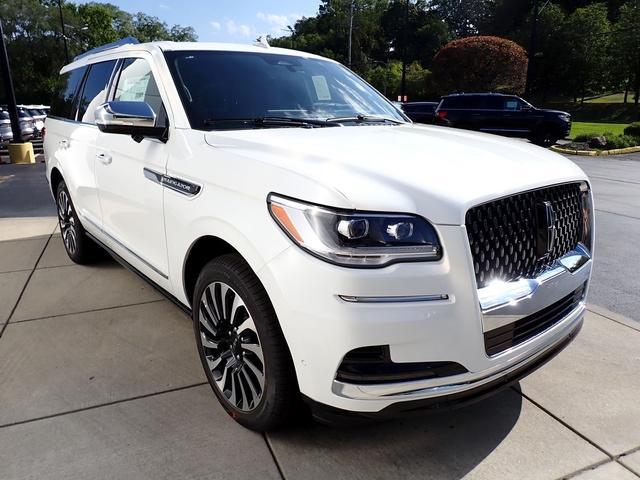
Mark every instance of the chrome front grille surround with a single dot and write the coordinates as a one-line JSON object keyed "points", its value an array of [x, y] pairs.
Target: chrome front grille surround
{"points": [[505, 235]]}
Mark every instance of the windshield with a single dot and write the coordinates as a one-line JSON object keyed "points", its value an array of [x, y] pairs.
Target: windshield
{"points": [[217, 88]]}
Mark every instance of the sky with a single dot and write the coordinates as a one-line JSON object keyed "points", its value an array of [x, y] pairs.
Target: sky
{"points": [[239, 21]]}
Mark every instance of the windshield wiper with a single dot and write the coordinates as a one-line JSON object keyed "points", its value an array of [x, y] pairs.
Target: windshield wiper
{"points": [[361, 118], [263, 122]]}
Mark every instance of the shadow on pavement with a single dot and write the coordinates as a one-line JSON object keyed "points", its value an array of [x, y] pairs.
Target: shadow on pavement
{"points": [[440, 445], [24, 192]]}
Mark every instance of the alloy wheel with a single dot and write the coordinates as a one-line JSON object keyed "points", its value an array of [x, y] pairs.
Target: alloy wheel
{"points": [[67, 222], [231, 346]]}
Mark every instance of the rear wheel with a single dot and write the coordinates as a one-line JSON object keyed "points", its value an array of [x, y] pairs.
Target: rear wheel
{"points": [[241, 346], [80, 248]]}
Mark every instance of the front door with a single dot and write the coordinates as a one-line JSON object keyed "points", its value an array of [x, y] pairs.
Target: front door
{"points": [[131, 203]]}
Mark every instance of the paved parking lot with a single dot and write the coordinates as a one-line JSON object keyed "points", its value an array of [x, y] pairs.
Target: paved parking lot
{"points": [[99, 376]]}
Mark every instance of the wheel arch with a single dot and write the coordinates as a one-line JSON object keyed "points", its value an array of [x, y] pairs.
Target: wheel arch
{"points": [[201, 251], [56, 177]]}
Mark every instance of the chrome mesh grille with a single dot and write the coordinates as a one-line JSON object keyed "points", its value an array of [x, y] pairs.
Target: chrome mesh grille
{"points": [[503, 233]]}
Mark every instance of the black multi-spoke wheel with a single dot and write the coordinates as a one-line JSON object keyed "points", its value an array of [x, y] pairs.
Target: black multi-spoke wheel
{"points": [[79, 247], [545, 139], [67, 222], [231, 346], [241, 346]]}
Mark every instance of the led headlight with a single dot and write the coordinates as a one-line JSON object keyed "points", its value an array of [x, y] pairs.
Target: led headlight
{"points": [[354, 238]]}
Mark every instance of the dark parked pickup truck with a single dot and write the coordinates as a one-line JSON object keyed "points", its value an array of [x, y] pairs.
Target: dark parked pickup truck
{"points": [[501, 114]]}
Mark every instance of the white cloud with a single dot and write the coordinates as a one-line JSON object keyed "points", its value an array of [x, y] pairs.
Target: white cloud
{"points": [[278, 22], [234, 28], [216, 25], [164, 7]]}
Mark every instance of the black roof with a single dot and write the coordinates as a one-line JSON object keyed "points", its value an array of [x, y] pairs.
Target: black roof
{"points": [[464, 94]]}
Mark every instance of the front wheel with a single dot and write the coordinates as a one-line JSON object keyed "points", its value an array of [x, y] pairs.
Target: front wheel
{"points": [[241, 346], [80, 248], [545, 139]]}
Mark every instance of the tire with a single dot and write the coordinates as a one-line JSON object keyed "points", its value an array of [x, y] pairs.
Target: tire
{"points": [[80, 248], [545, 139], [241, 346]]}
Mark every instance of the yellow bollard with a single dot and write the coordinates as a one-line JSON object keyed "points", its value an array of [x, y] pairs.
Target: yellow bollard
{"points": [[21, 153]]}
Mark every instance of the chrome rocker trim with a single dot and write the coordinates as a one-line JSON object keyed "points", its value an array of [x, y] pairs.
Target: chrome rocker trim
{"points": [[429, 388]]}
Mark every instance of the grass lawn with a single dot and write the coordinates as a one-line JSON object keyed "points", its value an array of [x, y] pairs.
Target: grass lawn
{"points": [[578, 128], [612, 98]]}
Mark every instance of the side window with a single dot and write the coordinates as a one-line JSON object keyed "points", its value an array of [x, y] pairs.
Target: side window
{"points": [[95, 90], [495, 103], [62, 102], [512, 104], [136, 84]]}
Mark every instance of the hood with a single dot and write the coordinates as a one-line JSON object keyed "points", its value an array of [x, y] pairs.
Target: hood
{"points": [[554, 112], [437, 172]]}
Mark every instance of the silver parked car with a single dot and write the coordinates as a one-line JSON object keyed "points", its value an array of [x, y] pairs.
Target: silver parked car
{"points": [[27, 125], [38, 120], [6, 135]]}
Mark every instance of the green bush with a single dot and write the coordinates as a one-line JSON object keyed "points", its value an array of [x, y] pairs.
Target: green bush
{"points": [[585, 137], [633, 130], [613, 141], [622, 141]]}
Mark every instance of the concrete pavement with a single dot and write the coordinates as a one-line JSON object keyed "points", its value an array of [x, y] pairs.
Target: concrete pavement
{"points": [[99, 379]]}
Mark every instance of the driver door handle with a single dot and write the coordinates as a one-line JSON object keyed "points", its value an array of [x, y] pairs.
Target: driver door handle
{"points": [[104, 158], [63, 143]]}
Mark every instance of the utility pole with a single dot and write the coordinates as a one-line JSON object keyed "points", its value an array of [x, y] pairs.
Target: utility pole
{"points": [[64, 34], [403, 86], [532, 49], [350, 30], [8, 90]]}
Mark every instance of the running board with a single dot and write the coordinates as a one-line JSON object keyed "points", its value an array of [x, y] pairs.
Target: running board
{"points": [[133, 269]]}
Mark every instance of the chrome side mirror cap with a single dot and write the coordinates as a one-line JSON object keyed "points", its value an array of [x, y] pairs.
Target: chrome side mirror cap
{"points": [[129, 118]]}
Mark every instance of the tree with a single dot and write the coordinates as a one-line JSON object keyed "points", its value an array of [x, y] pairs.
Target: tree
{"points": [[626, 47], [34, 36], [551, 56], [464, 17], [419, 38], [480, 63], [586, 38]]}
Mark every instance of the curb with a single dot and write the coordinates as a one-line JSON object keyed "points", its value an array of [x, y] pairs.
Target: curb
{"points": [[595, 153]]}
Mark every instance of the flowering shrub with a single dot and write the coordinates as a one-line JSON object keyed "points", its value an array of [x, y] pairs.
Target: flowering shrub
{"points": [[480, 64]]}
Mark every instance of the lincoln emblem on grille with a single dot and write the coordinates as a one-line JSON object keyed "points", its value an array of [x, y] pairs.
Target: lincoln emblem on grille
{"points": [[546, 228]]}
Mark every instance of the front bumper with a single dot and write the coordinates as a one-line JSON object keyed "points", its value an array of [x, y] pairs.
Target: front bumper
{"points": [[445, 323]]}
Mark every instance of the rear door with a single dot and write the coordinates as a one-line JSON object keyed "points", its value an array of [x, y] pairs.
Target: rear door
{"points": [[65, 146], [128, 174], [79, 165]]}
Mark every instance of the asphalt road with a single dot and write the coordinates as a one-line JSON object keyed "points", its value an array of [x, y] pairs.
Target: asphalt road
{"points": [[616, 276]]}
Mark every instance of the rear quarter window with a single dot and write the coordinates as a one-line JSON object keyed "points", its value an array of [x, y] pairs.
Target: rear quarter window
{"points": [[94, 91], [63, 100]]}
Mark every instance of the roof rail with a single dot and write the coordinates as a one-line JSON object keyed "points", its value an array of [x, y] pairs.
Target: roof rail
{"points": [[108, 46]]}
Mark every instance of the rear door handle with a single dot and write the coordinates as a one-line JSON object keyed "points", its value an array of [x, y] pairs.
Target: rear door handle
{"points": [[104, 158], [63, 143]]}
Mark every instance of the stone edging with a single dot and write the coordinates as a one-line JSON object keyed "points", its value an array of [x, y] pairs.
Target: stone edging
{"points": [[595, 153]]}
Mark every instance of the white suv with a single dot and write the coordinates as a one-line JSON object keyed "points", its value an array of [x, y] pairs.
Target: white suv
{"points": [[327, 249]]}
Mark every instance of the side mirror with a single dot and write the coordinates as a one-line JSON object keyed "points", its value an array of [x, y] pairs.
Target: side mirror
{"points": [[129, 118]]}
